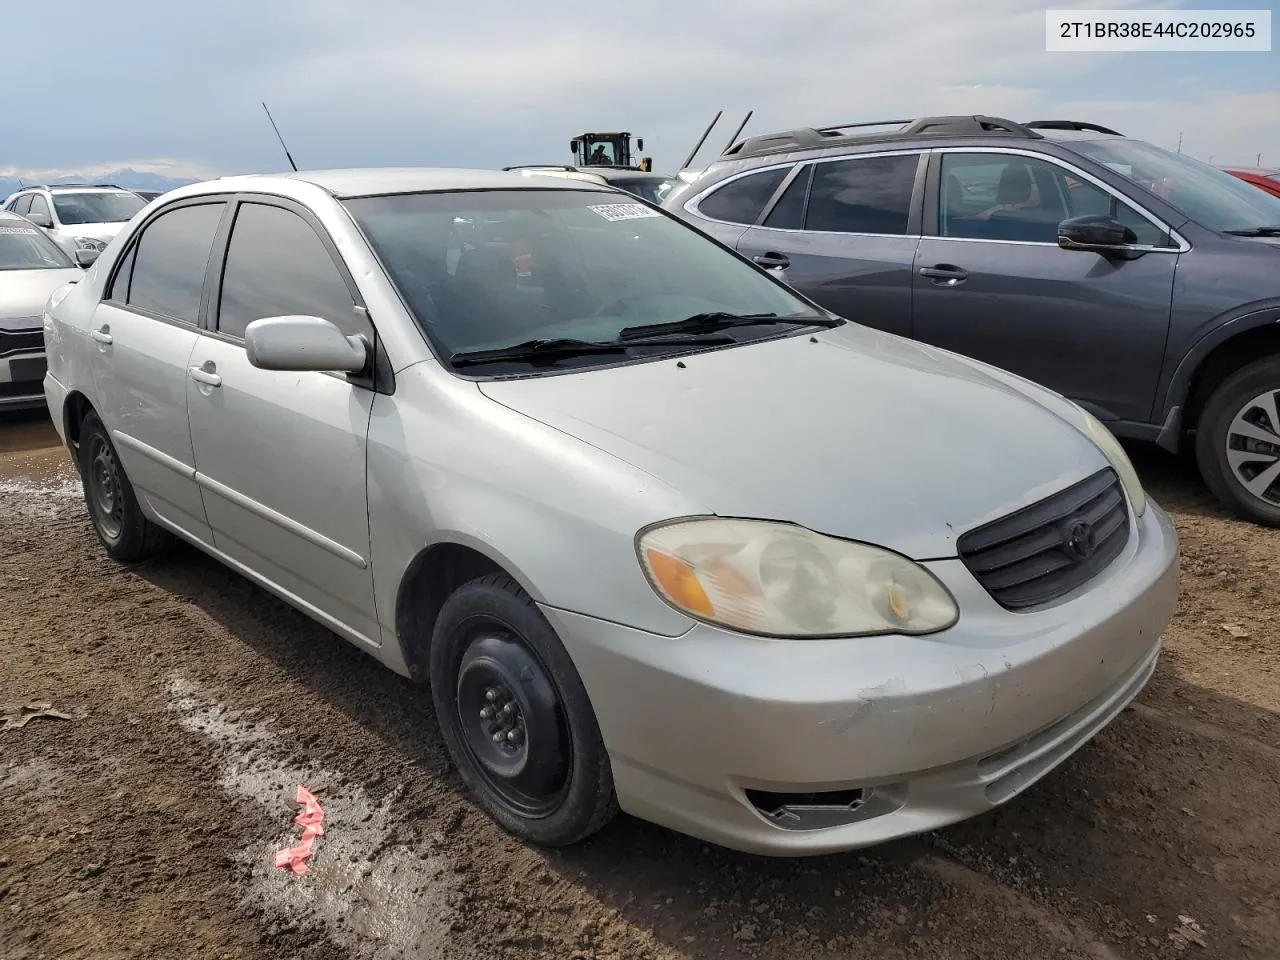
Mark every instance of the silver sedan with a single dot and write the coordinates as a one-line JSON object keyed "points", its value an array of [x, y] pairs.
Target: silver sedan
{"points": [[660, 533]]}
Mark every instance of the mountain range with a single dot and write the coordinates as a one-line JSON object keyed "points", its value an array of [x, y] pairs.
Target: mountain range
{"points": [[125, 177]]}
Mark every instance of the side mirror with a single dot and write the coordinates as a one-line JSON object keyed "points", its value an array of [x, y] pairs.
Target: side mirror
{"points": [[1098, 234], [303, 343], [640, 144], [87, 258], [573, 146], [41, 220]]}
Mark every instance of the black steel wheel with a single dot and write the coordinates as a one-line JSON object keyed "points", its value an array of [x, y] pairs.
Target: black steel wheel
{"points": [[124, 530], [516, 718]]}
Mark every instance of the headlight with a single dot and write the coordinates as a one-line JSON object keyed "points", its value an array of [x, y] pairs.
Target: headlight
{"points": [[89, 243], [781, 580], [1112, 450]]}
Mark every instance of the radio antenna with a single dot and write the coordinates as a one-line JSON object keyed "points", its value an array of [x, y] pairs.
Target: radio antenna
{"points": [[280, 138]]}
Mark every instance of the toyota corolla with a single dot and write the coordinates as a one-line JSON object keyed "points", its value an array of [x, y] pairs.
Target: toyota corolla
{"points": [[661, 534]]}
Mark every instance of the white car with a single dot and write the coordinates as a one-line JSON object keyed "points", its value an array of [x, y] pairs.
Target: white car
{"points": [[77, 217]]}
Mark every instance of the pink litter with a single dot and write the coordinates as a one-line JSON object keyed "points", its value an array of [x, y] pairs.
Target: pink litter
{"points": [[311, 819]]}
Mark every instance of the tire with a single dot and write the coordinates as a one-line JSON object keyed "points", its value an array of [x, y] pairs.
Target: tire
{"points": [[124, 530], [497, 667], [1242, 396]]}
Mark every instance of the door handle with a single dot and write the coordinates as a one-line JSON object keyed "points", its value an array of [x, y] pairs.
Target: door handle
{"points": [[773, 261], [945, 274], [102, 334], [207, 377]]}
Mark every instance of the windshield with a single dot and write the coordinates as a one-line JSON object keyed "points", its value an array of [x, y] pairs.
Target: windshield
{"points": [[484, 270], [25, 247], [653, 190], [97, 207], [1211, 197]]}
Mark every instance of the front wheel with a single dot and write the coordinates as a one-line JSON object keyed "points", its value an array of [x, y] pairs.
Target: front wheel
{"points": [[1238, 441], [118, 520], [516, 718]]}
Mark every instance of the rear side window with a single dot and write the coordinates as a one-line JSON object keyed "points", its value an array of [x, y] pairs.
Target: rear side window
{"points": [[862, 195], [742, 200], [23, 204], [788, 212], [277, 266], [170, 260]]}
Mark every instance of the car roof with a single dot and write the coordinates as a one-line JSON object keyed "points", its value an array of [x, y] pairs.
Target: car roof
{"points": [[359, 182]]}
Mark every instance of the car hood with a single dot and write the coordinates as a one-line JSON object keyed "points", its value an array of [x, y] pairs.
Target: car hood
{"points": [[849, 432], [94, 231], [23, 293]]}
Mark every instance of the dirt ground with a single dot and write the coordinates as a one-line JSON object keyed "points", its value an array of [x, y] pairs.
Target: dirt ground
{"points": [[145, 825]]}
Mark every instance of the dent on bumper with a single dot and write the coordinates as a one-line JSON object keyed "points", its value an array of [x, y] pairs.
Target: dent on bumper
{"points": [[932, 729]]}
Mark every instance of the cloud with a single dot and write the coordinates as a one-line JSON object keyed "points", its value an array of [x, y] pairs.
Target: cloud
{"points": [[396, 82]]}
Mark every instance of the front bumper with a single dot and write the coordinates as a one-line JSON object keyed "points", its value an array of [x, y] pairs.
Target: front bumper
{"points": [[932, 729]]}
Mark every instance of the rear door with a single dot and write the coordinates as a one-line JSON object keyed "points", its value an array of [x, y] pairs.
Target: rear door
{"points": [[992, 283], [845, 230], [143, 333]]}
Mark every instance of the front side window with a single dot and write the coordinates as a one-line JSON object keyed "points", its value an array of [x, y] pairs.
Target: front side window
{"points": [[170, 261], [487, 270], [24, 247], [39, 205], [995, 196], [862, 195], [99, 206], [742, 200], [1212, 197], [277, 266]]}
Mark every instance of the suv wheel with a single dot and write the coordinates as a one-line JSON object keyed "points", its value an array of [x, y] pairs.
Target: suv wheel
{"points": [[118, 520], [516, 718], [1238, 441]]}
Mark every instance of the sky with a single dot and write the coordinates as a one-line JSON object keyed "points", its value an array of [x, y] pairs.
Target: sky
{"points": [[141, 86]]}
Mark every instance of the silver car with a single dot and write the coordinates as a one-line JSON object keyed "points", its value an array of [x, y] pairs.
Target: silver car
{"points": [[31, 268], [660, 533]]}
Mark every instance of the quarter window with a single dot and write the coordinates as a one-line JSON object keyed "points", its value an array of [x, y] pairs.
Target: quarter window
{"points": [[22, 204], [862, 195], [1012, 197], [742, 200], [170, 261], [278, 266]]}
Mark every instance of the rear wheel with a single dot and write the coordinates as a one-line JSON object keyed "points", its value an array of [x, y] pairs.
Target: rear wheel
{"points": [[118, 520], [516, 718], [1238, 441]]}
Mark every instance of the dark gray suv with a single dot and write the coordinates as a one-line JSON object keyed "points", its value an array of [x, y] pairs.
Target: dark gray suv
{"points": [[1140, 283]]}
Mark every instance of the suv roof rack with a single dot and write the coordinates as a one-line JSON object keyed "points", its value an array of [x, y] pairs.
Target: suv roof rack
{"points": [[539, 166], [806, 138], [1072, 125]]}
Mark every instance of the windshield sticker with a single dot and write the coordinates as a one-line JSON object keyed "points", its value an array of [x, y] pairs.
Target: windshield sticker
{"points": [[30, 231], [623, 211]]}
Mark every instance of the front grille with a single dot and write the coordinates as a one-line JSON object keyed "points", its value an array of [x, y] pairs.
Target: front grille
{"points": [[1046, 550], [22, 341]]}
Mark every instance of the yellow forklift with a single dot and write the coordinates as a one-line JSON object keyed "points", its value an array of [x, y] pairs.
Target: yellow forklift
{"points": [[607, 150]]}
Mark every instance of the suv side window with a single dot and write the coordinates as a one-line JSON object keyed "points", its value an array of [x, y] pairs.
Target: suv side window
{"points": [[863, 195], [22, 204], [40, 205], [277, 266], [169, 261], [992, 196], [788, 212], [742, 200]]}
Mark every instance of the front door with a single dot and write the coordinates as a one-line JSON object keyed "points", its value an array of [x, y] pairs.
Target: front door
{"points": [[143, 333], [842, 233], [992, 283], [280, 457]]}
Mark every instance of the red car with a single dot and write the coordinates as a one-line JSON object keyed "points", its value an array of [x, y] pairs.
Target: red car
{"points": [[1268, 180]]}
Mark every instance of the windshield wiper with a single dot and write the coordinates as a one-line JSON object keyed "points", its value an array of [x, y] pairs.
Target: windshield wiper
{"points": [[718, 320], [1255, 232], [549, 350]]}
